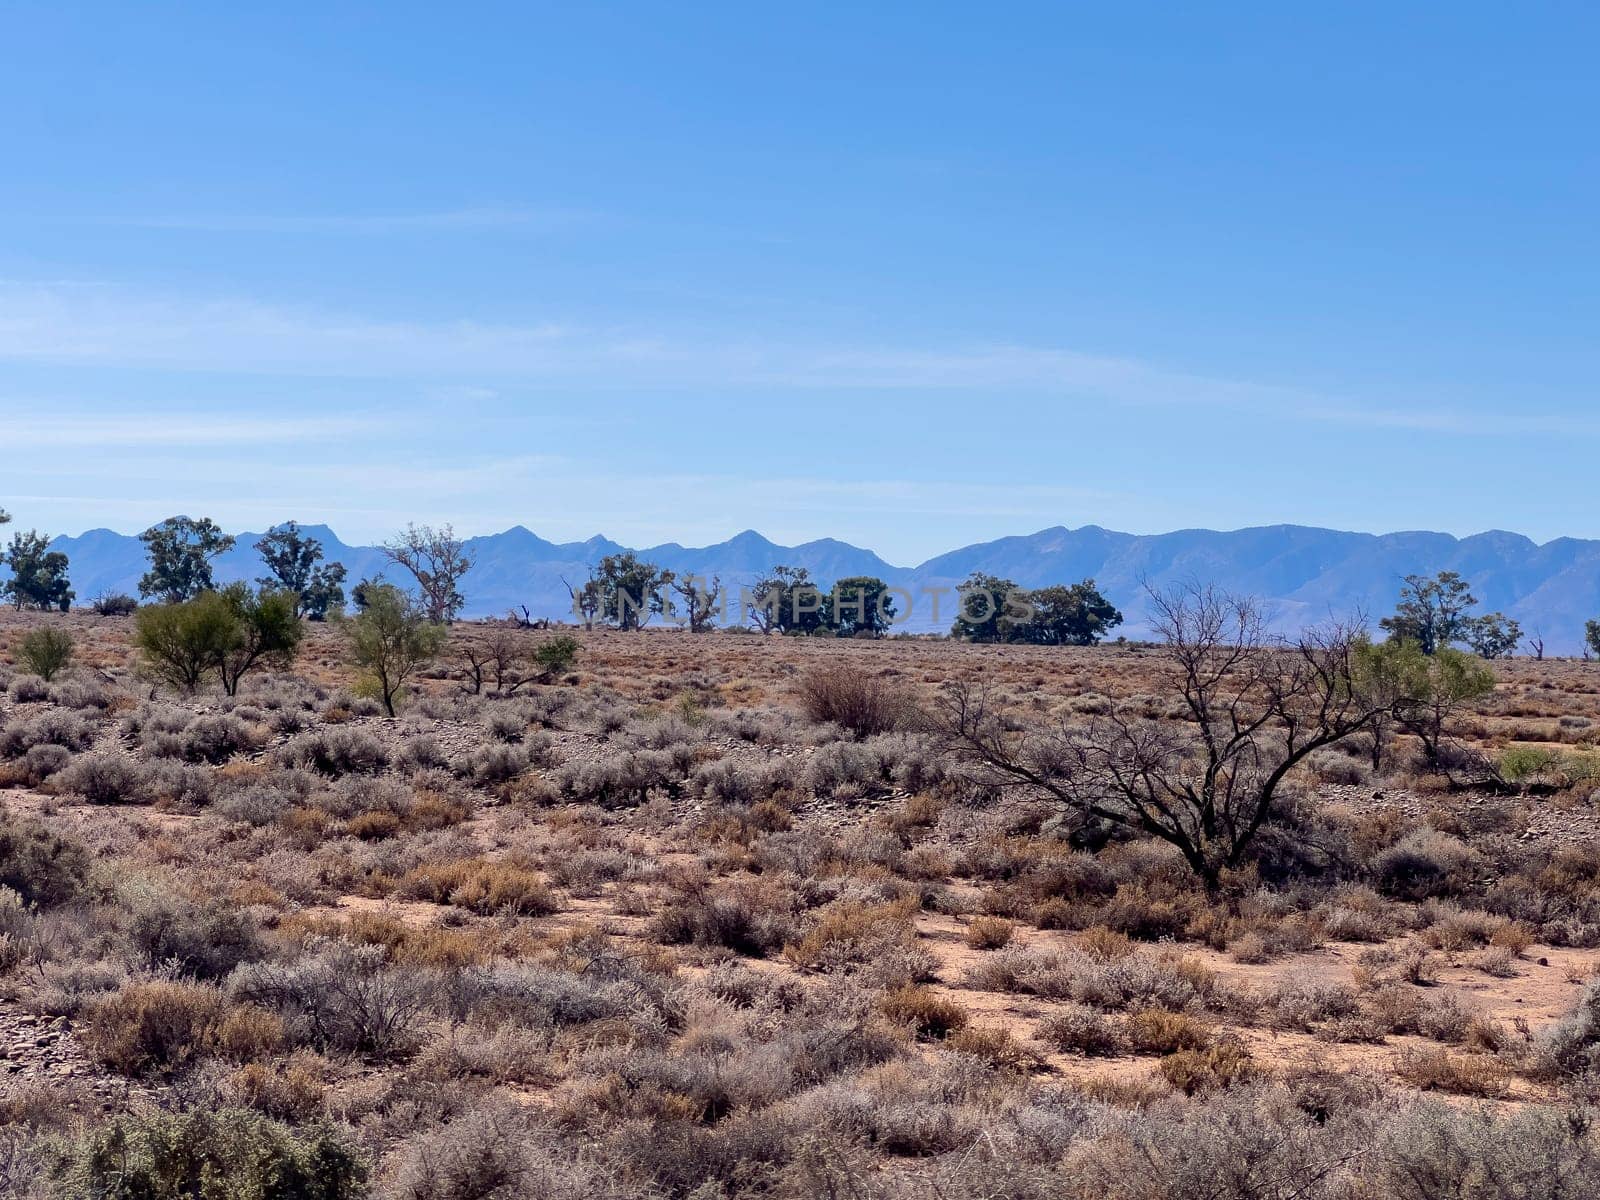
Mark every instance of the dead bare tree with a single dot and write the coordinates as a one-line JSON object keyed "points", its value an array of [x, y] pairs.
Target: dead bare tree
{"points": [[437, 560], [526, 620], [1254, 707], [500, 659]]}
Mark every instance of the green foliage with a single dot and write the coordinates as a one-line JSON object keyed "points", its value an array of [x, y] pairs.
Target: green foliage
{"points": [[1591, 636], [997, 610], [1493, 635], [38, 574], [702, 602], [267, 632], [1432, 612], [985, 609], [45, 651], [859, 604], [202, 1154], [228, 633], [1518, 763], [786, 601], [1066, 616], [113, 604], [556, 655], [181, 550], [1422, 692], [391, 639], [631, 591], [295, 562], [42, 867], [181, 643]]}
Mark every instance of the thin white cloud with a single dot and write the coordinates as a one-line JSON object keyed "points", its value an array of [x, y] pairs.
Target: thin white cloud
{"points": [[171, 429], [461, 219], [99, 324]]}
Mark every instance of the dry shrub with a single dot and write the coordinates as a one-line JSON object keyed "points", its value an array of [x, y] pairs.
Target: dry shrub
{"points": [[1497, 961], [435, 810], [1425, 863], [104, 779], [342, 997], [1220, 1066], [929, 1014], [751, 921], [482, 887], [1570, 1049], [851, 932], [1079, 1029], [1443, 1151], [1105, 944], [995, 1046], [373, 826], [1161, 1031], [292, 1091], [1131, 981], [1410, 962], [1513, 936], [158, 1027], [990, 933], [1437, 1070], [840, 693], [407, 944]]}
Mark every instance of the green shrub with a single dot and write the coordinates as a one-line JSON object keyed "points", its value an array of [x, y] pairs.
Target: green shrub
{"points": [[114, 604], [227, 1154], [226, 634], [1518, 763], [556, 656], [40, 866], [45, 651]]}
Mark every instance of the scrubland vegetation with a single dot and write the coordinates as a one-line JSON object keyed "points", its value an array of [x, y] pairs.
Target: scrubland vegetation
{"points": [[377, 906]]}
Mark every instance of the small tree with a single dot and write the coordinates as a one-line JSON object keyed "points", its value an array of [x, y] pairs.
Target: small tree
{"points": [[228, 634], [1591, 637], [859, 604], [1065, 616], [38, 574], [702, 601], [1422, 693], [1493, 635], [391, 640], [182, 644], [586, 600], [1432, 612], [295, 563], [437, 560], [113, 604], [267, 632], [982, 603], [631, 591], [1255, 709], [786, 601], [181, 550], [45, 651]]}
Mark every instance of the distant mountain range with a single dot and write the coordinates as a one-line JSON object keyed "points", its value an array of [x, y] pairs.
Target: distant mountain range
{"points": [[1303, 574]]}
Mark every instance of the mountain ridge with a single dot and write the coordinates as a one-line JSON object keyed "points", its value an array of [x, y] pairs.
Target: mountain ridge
{"points": [[1304, 573]]}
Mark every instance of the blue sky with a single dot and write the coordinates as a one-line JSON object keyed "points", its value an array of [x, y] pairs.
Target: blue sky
{"points": [[909, 275]]}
